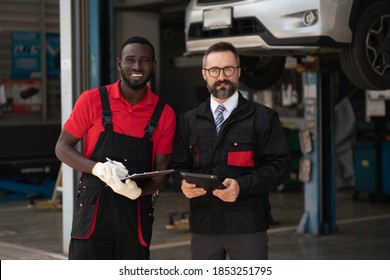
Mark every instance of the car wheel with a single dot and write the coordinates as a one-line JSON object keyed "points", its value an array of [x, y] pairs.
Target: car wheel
{"points": [[367, 62], [261, 72]]}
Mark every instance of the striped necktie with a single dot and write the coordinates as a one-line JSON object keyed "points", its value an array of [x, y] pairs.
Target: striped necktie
{"points": [[219, 118]]}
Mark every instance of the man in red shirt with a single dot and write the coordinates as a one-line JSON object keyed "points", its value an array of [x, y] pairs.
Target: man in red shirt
{"points": [[126, 130]]}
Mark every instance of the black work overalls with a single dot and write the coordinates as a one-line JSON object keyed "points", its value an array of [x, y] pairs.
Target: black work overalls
{"points": [[107, 225]]}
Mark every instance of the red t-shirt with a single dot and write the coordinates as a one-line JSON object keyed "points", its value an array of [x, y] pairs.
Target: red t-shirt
{"points": [[86, 119]]}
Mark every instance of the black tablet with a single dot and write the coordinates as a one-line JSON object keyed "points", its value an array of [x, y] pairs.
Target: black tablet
{"points": [[206, 181]]}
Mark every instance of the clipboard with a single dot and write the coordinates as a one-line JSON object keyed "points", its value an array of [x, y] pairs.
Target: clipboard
{"points": [[206, 181], [150, 174]]}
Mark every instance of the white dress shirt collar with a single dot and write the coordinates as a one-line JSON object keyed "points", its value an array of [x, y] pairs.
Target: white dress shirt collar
{"points": [[229, 104]]}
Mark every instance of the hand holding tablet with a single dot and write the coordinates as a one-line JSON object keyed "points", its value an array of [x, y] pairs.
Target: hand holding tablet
{"points": [[206, 181]]}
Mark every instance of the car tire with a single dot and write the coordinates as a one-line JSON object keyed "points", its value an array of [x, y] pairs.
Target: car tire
{"points": [[367, 62], [261, 72]]}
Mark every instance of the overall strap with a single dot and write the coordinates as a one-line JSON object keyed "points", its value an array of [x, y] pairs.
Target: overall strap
{"points": [[106, 115], [153, 122]]}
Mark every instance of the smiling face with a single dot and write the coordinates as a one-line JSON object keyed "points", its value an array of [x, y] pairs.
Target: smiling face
{"points": [[221, 87], [136, 65]]}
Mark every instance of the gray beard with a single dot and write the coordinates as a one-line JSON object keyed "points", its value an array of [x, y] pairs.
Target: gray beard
{"points": [[223, 93]]}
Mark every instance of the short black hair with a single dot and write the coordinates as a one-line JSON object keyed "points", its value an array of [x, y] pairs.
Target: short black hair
{"points": [[221, 47], [137, 40]]}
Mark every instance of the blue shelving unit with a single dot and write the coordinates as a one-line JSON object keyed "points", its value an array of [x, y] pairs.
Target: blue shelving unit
{"points": [[367, 166]]}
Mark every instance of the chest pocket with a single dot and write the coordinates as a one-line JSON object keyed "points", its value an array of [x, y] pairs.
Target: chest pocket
{"points": [[201, 146], [240, 149]]}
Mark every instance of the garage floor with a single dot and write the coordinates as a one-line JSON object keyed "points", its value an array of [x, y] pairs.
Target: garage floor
{"points": [[363, 230]]}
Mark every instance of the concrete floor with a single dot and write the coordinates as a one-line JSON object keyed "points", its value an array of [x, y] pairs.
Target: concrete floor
{"points": [[363, 230]]}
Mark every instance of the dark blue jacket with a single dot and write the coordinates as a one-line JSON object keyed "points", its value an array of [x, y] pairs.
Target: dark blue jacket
{"points": [[250, 148]]}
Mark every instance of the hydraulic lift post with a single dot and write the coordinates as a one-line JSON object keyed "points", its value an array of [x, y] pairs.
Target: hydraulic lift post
{"points": [[319, 188]]}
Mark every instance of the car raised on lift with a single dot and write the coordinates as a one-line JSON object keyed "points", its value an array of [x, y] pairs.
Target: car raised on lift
{"points": [[265, 32]]}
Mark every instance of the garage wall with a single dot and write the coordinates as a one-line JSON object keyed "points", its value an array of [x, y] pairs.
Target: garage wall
{"points": [[29, 15], [28, 139], [182, 84]]}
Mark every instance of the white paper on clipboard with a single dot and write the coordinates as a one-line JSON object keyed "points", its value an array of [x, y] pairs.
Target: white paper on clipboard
{"points": [[150, 174]]}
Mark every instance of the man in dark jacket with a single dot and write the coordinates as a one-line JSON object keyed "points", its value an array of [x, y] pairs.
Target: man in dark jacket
{"points": [[244, 145]]}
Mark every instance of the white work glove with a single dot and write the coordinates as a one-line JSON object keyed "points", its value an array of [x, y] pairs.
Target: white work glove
{"points": [[129, 188], [105, 170]]}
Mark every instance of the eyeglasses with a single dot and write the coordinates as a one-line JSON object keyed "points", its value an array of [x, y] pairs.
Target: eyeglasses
{"points": [[228, 71]]}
